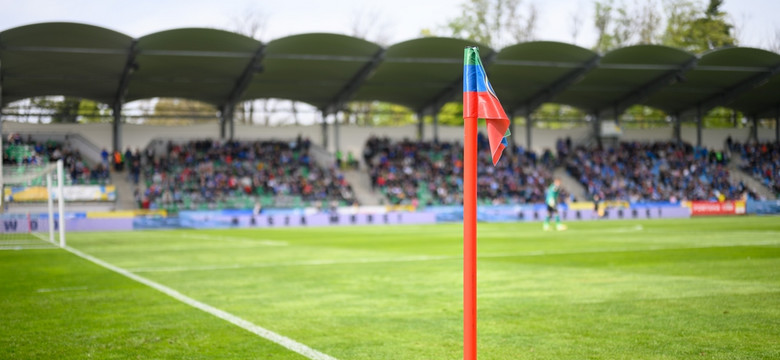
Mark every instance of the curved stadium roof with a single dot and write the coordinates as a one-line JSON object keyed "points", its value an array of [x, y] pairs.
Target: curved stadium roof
{"points": [[327, 70]]}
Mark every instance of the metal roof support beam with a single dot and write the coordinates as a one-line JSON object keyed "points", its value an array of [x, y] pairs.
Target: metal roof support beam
{"points": [[729, 94], [336, 136], [636, 96], [243, 81], [119, 96], [777, 130], [227, 121], [676, 130], [777, 125], [597, 127], [754, 128], [130, 67], [1, 105], [420, 126], [354, 84], [232, 123], [221, 122], [529, 125], [1, 101], [560, 85], [1, 95], [116, 128], [699, 125], [436, 127], [324, 129]]}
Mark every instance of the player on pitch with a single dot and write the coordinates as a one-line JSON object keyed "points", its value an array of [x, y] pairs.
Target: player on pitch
{"points": [[551, 199]]}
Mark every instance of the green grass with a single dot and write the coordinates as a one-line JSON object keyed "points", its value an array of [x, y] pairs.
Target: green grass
{"points": [[704, 288]]}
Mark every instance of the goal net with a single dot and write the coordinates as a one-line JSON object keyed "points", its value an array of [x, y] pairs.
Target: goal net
{"points": [[29, 217]]}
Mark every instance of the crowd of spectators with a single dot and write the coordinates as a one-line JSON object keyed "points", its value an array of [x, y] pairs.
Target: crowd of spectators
{"points": [[20, 151], [430, 173], [657, 171], [416, 173], [209, 171], [422, 173], [761, 160]]}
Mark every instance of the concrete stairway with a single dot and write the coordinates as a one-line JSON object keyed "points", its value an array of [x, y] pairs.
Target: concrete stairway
{"points": [[359, 179], [124, 190], [736, 175], [361, 185]]}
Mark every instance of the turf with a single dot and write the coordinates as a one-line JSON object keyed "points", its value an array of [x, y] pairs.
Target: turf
{"points": [[707, 288]]}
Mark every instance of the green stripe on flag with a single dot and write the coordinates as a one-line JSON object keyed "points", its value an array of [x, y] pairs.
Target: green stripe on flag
{"points": [[471, 56]]}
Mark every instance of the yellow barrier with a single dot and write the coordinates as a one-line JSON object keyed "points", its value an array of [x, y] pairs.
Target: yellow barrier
{"points": [[124, 214]]}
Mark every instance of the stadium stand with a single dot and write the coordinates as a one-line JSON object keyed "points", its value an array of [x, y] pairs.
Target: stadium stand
{"points": [[17, 150], [212, 174], [421, 173], [761, 160], [653, 171]]}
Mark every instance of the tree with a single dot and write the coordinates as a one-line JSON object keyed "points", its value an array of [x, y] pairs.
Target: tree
{"points": [[576, 24], [721, 117], [639, 116], [61, 109], [620, 25], [557, 116], [774, 42], [692, 28], [250, 22], [175, 111], [648, 22], [496, 23], [368, 24], [602, 22], [451, 114], [93, 112]]}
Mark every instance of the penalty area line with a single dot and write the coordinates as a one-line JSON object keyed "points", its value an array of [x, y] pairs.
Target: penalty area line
{"points": [[269, 335]]}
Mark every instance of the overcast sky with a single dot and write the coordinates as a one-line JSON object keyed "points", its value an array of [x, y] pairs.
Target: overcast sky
{"points": [[398, 20]]}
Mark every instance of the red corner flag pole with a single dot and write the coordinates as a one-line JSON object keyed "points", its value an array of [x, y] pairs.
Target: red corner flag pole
{"points": [[470, 239], [479, 102]]}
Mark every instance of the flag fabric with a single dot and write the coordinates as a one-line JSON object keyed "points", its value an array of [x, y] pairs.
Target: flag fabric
{"points": [[481, 102]]}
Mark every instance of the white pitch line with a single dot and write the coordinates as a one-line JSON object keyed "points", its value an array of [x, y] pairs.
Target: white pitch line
{"points": [[269, 335]]}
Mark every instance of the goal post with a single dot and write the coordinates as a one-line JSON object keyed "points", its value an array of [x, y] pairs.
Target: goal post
{"points": [[28, 212]]}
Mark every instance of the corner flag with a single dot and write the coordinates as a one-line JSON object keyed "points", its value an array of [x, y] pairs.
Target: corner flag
{"points": [[479, 102]]}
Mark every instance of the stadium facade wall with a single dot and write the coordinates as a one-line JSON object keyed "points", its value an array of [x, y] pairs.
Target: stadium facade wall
{"points": [[127, 221], [766, 207], [538, 212], [353, 138]]}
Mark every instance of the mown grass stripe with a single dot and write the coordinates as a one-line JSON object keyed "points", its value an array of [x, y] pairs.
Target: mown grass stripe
{"points": [[434, 258]]}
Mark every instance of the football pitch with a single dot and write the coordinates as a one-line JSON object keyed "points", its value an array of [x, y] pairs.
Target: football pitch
{"points": [[704, 288]]}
